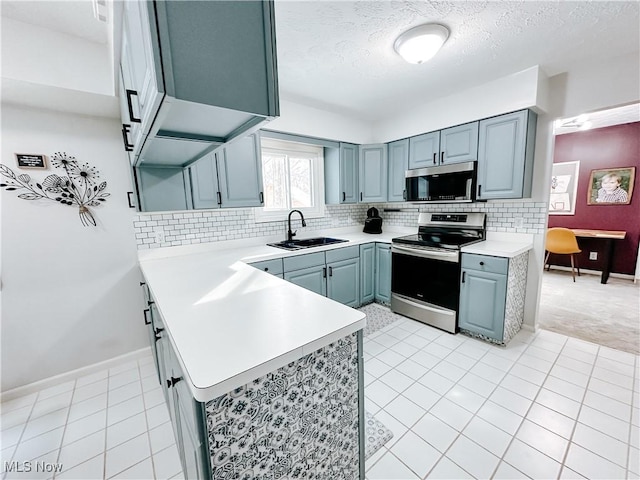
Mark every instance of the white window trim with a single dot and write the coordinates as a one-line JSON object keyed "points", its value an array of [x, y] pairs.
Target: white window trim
{"points": [[262, 215]]}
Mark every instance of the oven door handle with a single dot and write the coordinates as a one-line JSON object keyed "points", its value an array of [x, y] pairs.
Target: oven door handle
{"points": [[432, 254]]}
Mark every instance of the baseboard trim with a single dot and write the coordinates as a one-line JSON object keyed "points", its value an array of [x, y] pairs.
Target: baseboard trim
{"points": [[624, 276], [73, 374]]}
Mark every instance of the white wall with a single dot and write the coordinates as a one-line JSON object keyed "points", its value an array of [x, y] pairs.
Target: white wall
{"points": [[315, 122], [587, 87], [42, 56], [507, 94], [70, 294]]}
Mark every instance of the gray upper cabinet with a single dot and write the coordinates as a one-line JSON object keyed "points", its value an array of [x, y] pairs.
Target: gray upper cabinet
{"points": [[424, 150], [196, 70], [232, 177], [163, 189], [505, 155], [204, 182], [451, 145], [341, 174], [459, 144], [240, 173], [398, 165], [372, 177], [140, 92]]}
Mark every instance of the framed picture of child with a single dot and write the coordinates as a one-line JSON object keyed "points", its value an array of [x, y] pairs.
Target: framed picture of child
{"points": [[611, 186]]}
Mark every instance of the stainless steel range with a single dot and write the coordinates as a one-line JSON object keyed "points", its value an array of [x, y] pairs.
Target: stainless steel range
{"points": [[425, 267]]}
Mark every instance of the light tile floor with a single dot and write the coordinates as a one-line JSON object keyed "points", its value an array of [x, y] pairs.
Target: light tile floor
{"points": [[546, 406], [111, 424]]}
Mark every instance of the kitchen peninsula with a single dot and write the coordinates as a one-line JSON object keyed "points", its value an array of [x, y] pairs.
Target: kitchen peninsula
{"points": [[263, 378]]}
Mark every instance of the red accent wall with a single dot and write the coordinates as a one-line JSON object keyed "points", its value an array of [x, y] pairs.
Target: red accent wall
{"points": [[609, 147]]}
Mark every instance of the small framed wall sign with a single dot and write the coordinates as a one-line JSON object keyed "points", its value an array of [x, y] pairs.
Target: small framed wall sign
{"points": [[31, 160]]}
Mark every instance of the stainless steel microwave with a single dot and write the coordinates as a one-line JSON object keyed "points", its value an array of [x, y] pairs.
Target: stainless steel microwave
{"points": [[445, 183]]}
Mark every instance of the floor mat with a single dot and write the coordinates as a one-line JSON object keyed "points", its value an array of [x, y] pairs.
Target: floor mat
{"points": [[376, 434], [378, 317]]}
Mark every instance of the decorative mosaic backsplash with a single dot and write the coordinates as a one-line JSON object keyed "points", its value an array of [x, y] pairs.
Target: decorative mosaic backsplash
{"points": [[300, 421], [168, 229]]}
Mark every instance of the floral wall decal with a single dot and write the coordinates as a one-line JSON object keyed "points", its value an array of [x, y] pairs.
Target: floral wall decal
{"points": [[80, 187]]}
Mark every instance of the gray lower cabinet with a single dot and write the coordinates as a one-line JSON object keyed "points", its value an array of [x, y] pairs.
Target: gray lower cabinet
{"points": [[343, 281], [398, 155], [505, 155], [311, 278], [274, 267], [367, 273], [187, 415], [383, 273], [335, 273], [492, 292]]}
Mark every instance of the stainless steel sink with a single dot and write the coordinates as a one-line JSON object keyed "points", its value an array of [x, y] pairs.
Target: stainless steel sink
{"points": [[306, 243]]}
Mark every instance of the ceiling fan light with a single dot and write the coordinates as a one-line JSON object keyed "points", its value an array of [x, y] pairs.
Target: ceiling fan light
{"points": [[421, 43]]}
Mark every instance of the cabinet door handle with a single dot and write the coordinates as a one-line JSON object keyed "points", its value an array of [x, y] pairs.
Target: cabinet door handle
{"points": [[158, 331], [463, 274], [172, 381], [331, 271], [261, 197], [344, 196], [481, 263], [360, 196], [442, 157], [131, 205], [146, 318], [142, 284], [128, 147], [434, 157], [324, 272], [479, 191], [132, 117], [219, 198]]}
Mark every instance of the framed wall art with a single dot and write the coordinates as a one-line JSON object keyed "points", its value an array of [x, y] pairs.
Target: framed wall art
{"points": [[31, 160], [564, 185], [611, 186]]}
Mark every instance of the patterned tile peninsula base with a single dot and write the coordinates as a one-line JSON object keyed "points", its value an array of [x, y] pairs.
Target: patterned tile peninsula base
{"points": [[300, 421], [378, 317], [376, 434]]}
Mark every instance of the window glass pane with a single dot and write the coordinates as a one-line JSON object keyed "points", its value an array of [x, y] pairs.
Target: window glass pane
{"points": [[300, 170], [274, 176]]}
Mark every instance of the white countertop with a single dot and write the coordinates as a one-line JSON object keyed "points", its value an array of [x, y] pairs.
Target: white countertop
{"points": [[231, 323], [501, 245]]}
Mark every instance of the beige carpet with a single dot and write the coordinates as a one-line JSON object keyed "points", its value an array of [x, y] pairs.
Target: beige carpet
{"points": [[606, 314]]}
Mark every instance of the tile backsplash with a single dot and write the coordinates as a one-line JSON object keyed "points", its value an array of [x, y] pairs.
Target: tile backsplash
{"points": [[153, 230]]}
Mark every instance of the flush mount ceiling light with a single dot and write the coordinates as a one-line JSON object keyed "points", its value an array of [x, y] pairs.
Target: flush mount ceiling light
{"points": [[420, 43]]}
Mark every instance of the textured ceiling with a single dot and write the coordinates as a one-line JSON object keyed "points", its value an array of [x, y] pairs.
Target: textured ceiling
{"points": [[341, 53]]}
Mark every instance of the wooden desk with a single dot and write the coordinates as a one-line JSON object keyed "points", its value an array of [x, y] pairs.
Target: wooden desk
{"points": [[607, 236]]}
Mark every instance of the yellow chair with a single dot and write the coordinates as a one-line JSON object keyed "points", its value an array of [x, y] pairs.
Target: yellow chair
{"points": [[562, 241]]}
